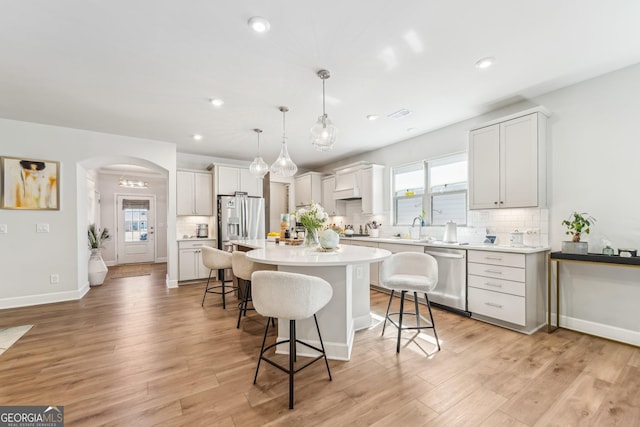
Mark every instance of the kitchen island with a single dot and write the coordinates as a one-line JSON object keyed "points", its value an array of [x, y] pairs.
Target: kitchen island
{"points": [[346, 269]]}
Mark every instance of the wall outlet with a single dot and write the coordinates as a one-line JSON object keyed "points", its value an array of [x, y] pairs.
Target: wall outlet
{"points": [[3, 229], [54, 278], [42, 228]]}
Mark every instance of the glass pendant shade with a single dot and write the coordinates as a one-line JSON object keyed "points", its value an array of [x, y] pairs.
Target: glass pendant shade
{"points": [[258, 167], [284, 166], [323, 133]]}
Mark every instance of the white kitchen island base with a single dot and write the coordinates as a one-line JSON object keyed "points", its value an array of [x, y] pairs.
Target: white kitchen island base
{"points": [[347, 270], [350, 285]]}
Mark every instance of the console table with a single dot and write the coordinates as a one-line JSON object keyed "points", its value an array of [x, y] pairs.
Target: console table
{"points": [[558, 257]]}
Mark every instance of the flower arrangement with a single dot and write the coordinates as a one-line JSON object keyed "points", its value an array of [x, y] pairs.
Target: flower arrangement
{"points": [[313, 217], [97, 237]]}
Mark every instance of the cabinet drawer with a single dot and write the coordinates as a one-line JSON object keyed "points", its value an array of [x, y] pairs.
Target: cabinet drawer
{"points": [[497, 285], [190, 244], [509, 308], [361, 243], [496, 271], [497, 258]]}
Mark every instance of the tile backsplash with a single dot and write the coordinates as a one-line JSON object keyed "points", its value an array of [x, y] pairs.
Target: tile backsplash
{"points": [[533, 222], [186, 225]]}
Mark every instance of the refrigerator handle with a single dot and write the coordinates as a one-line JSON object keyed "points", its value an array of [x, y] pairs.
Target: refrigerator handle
{"points": [[245, 215]]}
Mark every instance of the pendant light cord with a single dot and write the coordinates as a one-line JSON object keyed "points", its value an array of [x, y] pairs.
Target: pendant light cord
{"points": [[324, 113]]}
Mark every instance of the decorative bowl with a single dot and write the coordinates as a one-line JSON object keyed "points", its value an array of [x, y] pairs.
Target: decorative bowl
{"points": [[329, 239]]}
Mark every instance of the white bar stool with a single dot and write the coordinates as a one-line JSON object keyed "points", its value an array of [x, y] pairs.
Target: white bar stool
{"points": [[409, 272], [295, 297], [242, 269], [215, 259]]}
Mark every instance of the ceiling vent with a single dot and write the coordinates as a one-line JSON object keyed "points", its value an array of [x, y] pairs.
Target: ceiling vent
{"points": [[403, 112]]}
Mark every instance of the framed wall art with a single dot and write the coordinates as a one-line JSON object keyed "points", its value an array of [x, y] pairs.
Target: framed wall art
{"points": [[29, 184]]}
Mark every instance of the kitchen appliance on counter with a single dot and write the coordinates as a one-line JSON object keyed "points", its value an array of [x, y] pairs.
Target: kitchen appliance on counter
{"points": [[240, 217], [450, 232], [451, 291], [202, 231]]}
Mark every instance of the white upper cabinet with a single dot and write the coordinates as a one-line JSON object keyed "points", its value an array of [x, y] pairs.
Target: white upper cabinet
{"points": [[308, 188], [230, 179], [371, 182], [507, 167], [330, 205], [194, 193]]}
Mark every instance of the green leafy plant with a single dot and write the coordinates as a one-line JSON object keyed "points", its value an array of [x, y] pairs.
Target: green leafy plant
{"points": [[97, 237], [313, 217], [578, 223]]}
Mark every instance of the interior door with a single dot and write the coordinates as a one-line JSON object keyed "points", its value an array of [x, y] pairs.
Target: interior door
{"points": [[136, 229]]}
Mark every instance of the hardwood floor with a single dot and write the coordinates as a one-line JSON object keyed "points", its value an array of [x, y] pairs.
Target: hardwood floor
{"points": [[132, 352]]}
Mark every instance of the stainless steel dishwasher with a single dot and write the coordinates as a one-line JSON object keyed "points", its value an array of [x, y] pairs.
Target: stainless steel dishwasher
{"points": [[451, 290]]}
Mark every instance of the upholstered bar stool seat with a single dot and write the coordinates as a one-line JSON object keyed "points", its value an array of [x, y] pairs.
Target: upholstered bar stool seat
{"points": [[410, 272], [294, 297], [215, 259], [243, 268]]}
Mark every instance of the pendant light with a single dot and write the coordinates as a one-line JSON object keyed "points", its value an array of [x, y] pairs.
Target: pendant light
{"points": [[284, 166], [258, 167], [323, 133]]}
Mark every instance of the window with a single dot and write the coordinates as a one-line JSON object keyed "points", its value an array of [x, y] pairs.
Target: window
{"points": [[445, 197], [448, 190], [408, 192], [135, 219]]}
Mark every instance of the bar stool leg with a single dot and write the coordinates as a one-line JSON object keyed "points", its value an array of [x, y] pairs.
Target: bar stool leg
{"points": [[264, 340], [415, 300], [322, 346], [384, 325], [400, 321], [206, 288], [292, 356], [221, 275], [435, 334]]}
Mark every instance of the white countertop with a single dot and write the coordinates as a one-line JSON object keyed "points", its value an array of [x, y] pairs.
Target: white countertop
{"points": [[435, 244], [188, 239], [270, 253]]}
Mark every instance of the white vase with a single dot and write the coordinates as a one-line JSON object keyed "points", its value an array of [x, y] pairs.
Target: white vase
{"points": [[97, 268]]}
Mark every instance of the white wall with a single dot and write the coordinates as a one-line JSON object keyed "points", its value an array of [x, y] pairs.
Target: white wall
{"points": [[28, 258]]}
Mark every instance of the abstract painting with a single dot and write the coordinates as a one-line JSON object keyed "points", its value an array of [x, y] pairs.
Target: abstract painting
{"points": [[30, 184]]}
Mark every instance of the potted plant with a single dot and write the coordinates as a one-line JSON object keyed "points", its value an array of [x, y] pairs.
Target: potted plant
{"points": [[576, 224], [97, 268]]}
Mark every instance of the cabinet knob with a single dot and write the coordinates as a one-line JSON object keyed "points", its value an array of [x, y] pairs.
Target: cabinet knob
{"points": [[495, 203], [501, 202]]}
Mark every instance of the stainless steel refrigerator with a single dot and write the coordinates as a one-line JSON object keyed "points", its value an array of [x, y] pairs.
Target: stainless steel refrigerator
{"points": [[240, 217]]}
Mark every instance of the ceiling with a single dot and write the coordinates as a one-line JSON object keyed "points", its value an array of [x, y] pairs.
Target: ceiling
{"points": [[148, 68]]}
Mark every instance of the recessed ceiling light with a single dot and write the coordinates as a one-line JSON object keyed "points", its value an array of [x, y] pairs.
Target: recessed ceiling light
{"points": [[259, 24], [197, 137], [372, 117], [403, 112], [485, 62], [216, 102]]}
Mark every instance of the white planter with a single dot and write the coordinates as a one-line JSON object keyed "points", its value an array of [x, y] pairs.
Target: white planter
{"points": [[97, 268], [579, 248]]}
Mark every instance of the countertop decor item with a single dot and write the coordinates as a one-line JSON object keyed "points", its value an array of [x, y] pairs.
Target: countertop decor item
{"points": [[329, 239], [312, 219]]}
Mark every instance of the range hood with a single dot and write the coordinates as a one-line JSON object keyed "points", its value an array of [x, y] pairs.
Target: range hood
{"points": [[352, 193], [347, 183]]}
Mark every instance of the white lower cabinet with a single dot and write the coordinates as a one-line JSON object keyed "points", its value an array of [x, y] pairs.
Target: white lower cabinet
{"points": [[507, 289], [190, 266]]}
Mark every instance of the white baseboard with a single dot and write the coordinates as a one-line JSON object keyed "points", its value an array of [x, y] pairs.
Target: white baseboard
{"points": [[171, 283], [600, 330], [44, 298]]}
